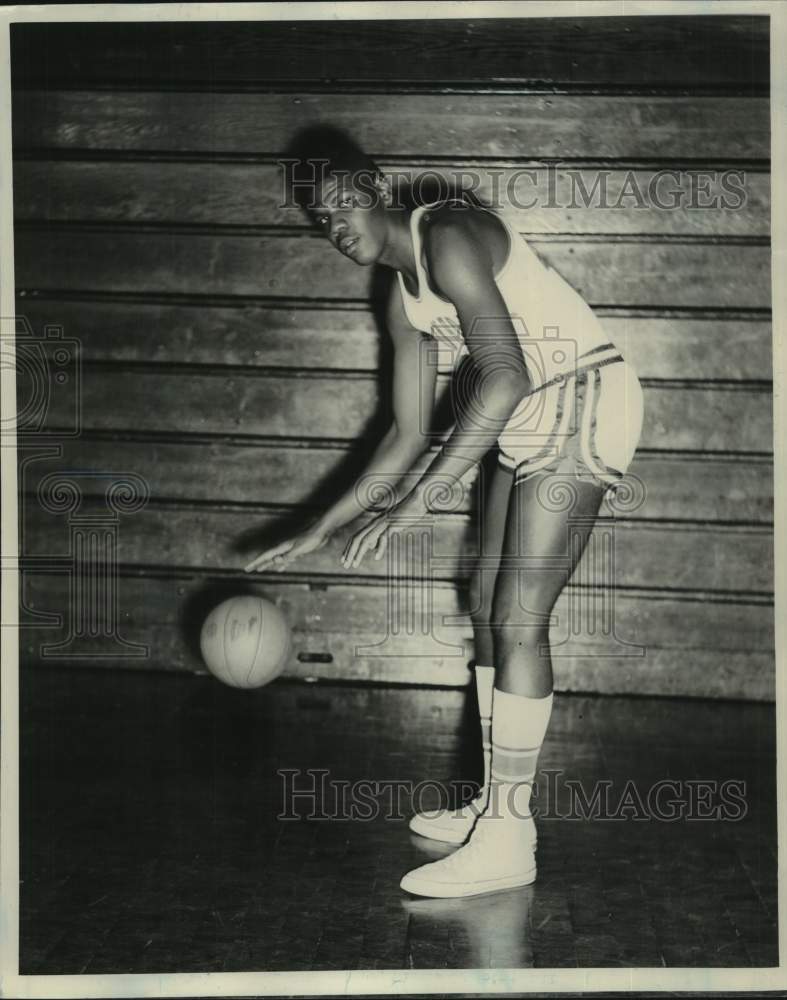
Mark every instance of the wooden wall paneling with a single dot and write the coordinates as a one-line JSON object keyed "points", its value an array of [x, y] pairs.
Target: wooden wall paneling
{"points": [[675, 486], [398, 125], [311, 405], [595, 199], [676, 555], [691, 647], [614, 272], [150, 227], [661, 344], [687, 52]]}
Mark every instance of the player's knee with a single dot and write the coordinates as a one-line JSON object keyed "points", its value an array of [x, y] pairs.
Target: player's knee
{"points": [[520, 619]]}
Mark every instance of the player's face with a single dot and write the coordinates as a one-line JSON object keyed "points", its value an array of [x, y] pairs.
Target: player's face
{"points": [[351, 213]]}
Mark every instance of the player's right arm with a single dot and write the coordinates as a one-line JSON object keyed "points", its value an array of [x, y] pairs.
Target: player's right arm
{"points": [[414, 378], [414, 383]]}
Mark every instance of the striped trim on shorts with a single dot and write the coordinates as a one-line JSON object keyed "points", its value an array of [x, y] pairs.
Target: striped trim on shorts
{"points": [[596, 420]]}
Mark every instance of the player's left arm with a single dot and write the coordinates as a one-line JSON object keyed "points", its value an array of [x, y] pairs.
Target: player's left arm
{"points": [[491, 387], [496, 380], [463, 272]]}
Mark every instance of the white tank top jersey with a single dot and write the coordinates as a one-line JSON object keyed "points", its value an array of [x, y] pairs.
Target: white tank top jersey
{"points": [[569, 356], [554, 324]]}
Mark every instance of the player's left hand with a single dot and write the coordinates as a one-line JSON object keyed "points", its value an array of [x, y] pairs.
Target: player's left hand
{"points": [[375, 534]]}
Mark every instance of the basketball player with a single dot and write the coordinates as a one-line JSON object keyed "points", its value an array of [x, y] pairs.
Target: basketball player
{"points": [[545, 384]]}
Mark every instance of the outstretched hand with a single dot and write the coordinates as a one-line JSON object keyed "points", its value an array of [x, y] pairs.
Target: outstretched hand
{"points": [[375, 534], [281, 555]]}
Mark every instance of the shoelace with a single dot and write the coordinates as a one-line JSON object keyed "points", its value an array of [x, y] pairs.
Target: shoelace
{"points": [[474, 807], [480, 839]]}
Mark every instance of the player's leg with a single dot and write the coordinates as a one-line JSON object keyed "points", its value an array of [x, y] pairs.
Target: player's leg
{"points": [[453, 825], [544, 539], [549, 520], [492, 527], [551, 517]]}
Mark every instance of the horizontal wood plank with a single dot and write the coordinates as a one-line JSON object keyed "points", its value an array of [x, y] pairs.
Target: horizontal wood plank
{"points": [[672, 487], [735, 675], [659, 347], [678, 417], [637, 52], [402, 126], [696, 275], [712, 558], [662, 646], [535, 199]]}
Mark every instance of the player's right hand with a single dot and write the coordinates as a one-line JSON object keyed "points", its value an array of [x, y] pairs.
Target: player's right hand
{"points": [[281, 555]]}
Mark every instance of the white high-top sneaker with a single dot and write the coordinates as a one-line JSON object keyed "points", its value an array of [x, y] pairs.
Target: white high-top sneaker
{"points": [[499, 852], [496, 856]]}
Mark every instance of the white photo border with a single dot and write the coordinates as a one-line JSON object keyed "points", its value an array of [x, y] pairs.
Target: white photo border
{"points": [[396, 981]]}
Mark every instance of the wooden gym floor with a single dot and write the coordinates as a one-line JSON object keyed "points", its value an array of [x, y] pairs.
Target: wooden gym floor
{"points": [[150, 843]]}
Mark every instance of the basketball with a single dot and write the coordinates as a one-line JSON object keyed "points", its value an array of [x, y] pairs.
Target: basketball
{"points": [[245, 641]]}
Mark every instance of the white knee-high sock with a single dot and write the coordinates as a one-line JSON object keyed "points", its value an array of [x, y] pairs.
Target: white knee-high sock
{"points": [[484, 685], [519, 725]]}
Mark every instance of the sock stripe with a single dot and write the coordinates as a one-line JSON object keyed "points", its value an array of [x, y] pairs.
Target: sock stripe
{"points": [[513, 769], [515, 751], [525, 778], [512, 773]]}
